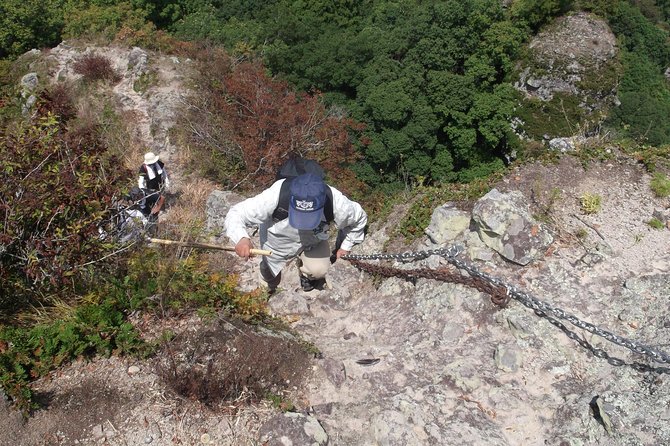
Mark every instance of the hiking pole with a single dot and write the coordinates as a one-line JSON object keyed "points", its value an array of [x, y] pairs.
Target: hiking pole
{"points": [[161, 241]]}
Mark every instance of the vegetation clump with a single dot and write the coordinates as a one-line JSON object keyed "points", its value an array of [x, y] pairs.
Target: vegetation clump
{"points": [[656, 223], [590, 203], [58, 184], [233, 362], [245, 124], [660, 185], [94, 67]]}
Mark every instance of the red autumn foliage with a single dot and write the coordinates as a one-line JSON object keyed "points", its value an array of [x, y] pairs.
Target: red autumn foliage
{"points": [[264, 122], [57, 101], [94, 67], [57, 184]]}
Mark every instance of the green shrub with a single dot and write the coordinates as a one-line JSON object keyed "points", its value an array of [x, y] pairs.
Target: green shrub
{"points": [[102, 21], [536, 13], [176, 286], [559, 117], [97, 325], [640, 35], [644, 96], [653, 158], [660, 185], [92, 329]]}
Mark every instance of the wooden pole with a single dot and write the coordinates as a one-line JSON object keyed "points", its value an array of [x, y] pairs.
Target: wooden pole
{"points": [[161, 241]]}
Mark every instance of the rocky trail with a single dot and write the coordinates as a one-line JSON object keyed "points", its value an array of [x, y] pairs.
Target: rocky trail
{"points": [[421, 362]]}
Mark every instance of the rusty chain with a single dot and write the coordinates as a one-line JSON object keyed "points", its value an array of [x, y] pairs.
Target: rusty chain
{"points": [[499, 291]]}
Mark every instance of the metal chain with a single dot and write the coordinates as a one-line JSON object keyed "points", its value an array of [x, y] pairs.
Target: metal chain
{"points": [[499, 291]]}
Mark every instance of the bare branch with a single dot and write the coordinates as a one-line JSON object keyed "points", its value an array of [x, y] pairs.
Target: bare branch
{"points": [[125, 248], [39, 165]]}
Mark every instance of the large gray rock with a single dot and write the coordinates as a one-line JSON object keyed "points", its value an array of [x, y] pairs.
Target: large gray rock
{"points": [[447, 224], [293, 429], [137, 60], [564, 145], [29, 82], [506, 226], [573, 64], [567, 53]]}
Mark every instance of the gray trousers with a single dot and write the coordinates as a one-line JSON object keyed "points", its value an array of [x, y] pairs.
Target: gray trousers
{"points": [[313, 264]]}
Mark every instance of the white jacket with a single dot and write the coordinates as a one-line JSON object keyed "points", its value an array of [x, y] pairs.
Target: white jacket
{"points": [[282, 239]]}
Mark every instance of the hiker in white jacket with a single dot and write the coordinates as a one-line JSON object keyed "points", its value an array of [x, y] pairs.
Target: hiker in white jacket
{"points": [[312, 206]]}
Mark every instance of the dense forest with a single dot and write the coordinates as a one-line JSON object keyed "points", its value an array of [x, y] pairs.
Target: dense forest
{"points": [[431, 81], [404, 93]]}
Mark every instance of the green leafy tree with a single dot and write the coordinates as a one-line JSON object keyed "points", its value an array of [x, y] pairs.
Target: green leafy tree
{"points": [[103, 18], [536, 13], [27, 24], [645, 101], [438, 89], [639, 35]]}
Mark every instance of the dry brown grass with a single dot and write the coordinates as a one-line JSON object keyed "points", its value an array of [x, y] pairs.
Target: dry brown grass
{"points": [[185, 219], [125, 137], [117, 130]]}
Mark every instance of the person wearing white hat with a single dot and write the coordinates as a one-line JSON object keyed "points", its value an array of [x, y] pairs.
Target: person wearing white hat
{"points": [[153, 179]]}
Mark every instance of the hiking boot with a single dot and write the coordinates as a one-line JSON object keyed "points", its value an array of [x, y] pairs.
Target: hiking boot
{"points": [[311, 284], [306, 284]]}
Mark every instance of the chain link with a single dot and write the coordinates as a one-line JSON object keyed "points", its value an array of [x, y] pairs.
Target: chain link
{"points": [[499, 291]]}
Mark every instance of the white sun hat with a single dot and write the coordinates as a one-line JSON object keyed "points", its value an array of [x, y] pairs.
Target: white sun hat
{"points": [[150, 158]]}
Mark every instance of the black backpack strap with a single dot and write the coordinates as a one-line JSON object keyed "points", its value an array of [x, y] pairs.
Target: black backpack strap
{"points": [[281, 211], [328, 207]]}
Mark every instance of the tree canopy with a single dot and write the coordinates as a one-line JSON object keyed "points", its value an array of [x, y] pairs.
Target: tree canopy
{"points": [[431, 80]]}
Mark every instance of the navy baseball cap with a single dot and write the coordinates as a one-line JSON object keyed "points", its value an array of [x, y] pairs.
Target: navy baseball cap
{"points": [[308, 197]]}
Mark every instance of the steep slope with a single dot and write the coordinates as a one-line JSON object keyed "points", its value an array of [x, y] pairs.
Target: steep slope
{"points": [[444, 365]]}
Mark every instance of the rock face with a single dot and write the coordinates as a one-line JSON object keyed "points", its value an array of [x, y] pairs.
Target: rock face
{"points": [[216, 209], [447, 223], [574, 65], [293, 429], [150, 88], [574, 49]]}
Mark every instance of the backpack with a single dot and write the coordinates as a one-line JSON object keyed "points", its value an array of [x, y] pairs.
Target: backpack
{"points": [[292, 168]]}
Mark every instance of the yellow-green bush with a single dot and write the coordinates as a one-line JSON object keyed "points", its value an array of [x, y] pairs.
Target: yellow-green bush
{"points": [[590, 203]]}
